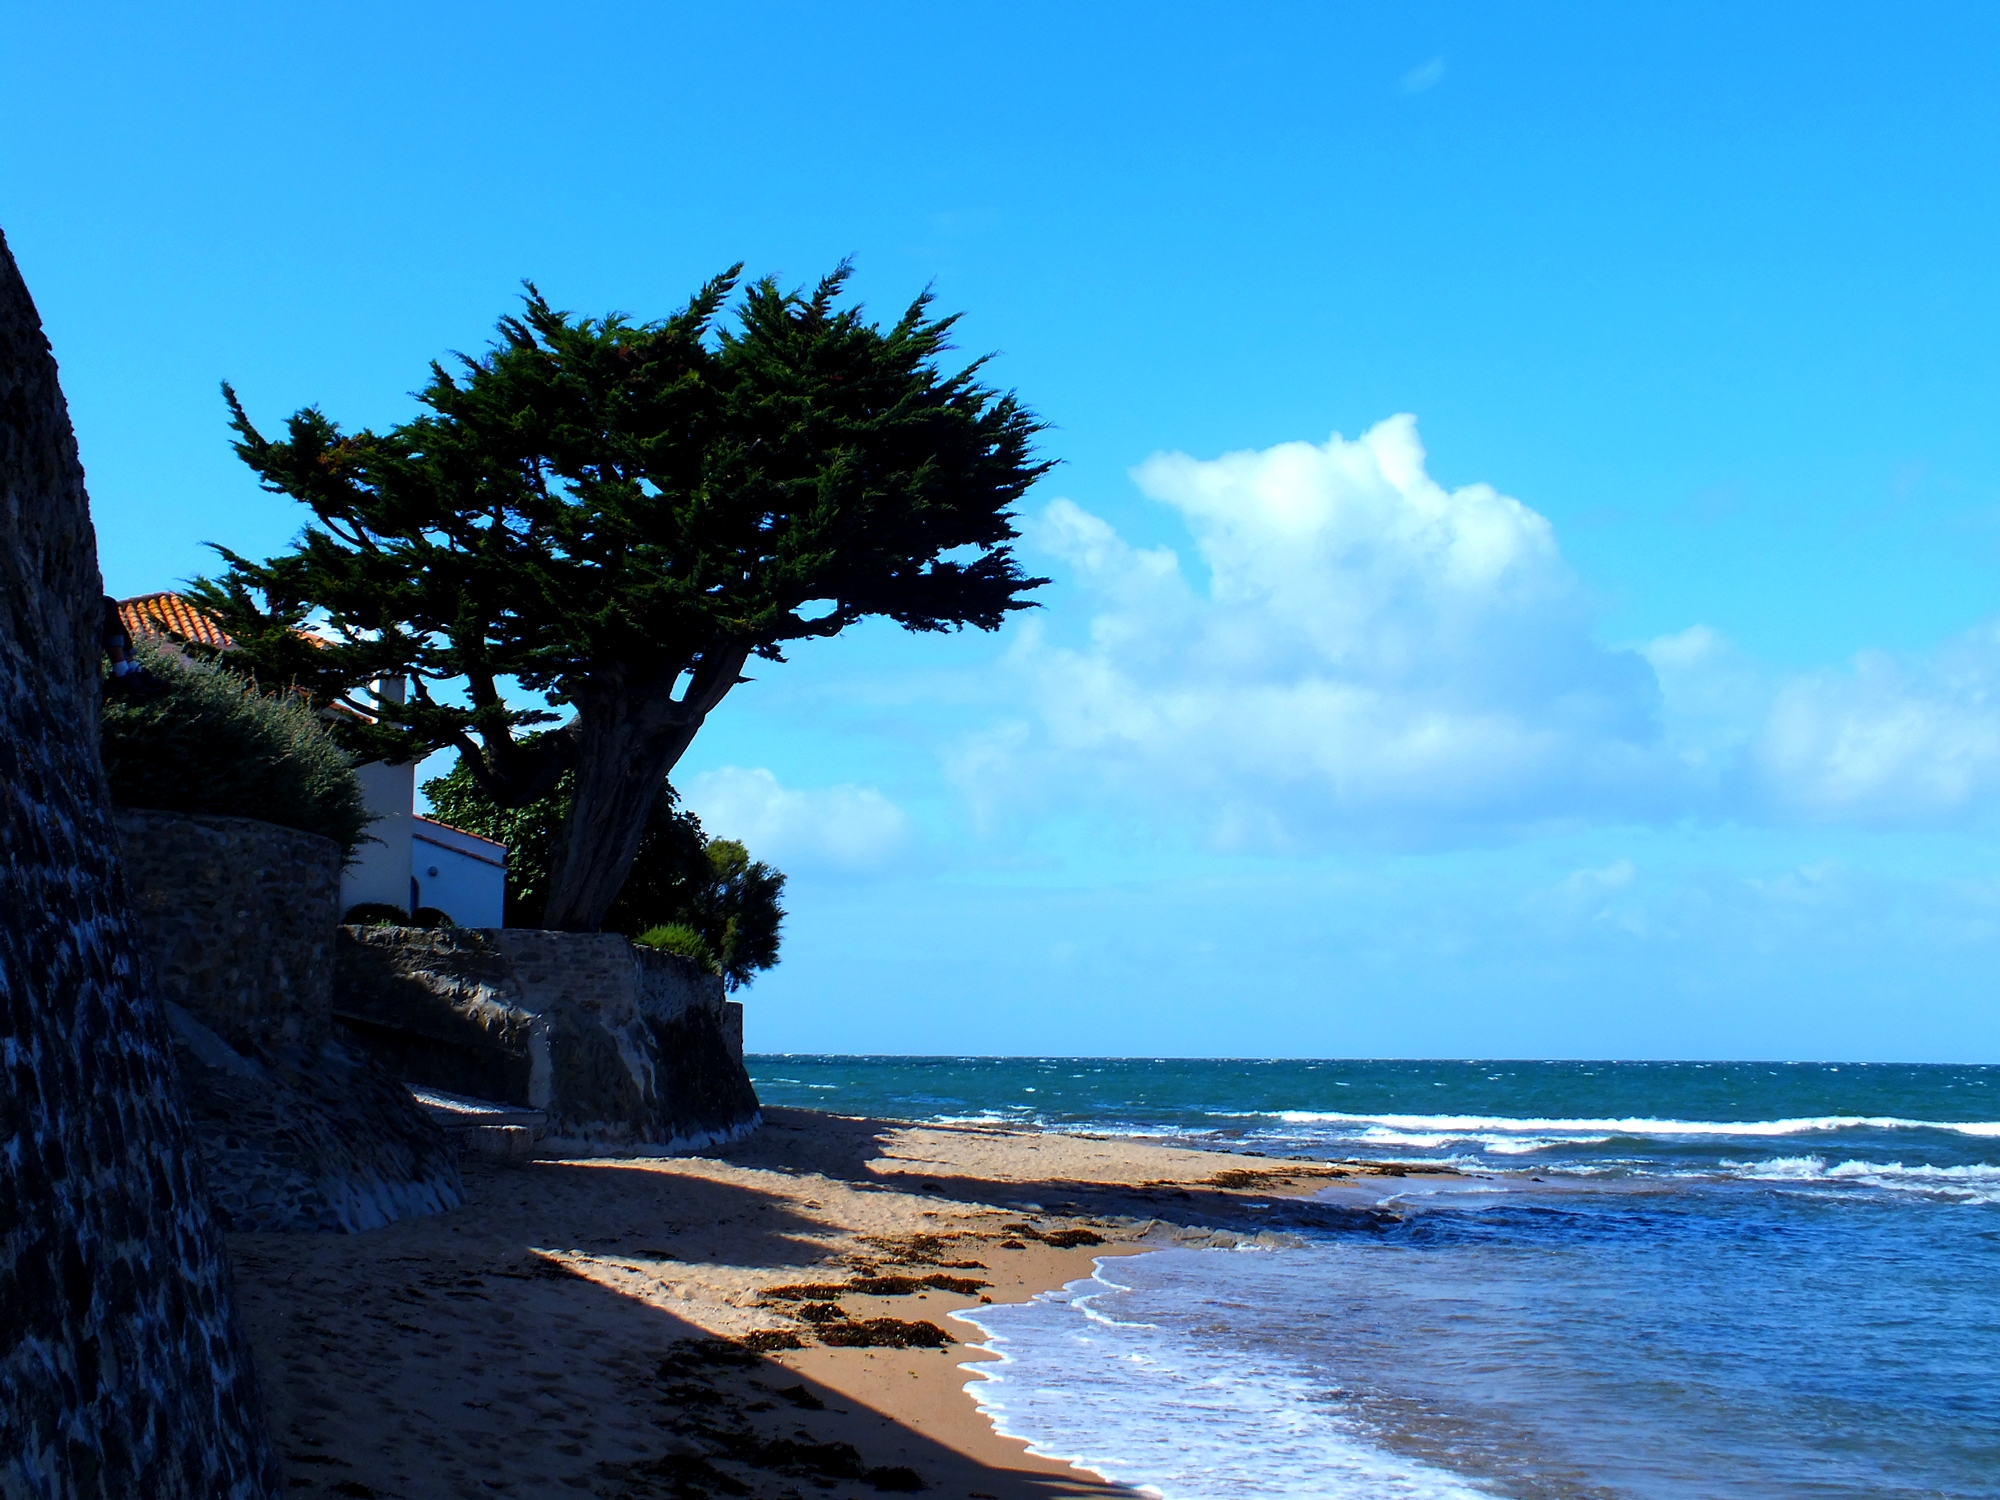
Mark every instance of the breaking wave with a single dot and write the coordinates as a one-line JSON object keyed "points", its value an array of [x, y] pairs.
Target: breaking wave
{"points": [[1443, 1128]]}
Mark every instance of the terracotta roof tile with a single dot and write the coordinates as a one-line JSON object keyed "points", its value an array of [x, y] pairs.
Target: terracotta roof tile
{"points": [[172, 616]]}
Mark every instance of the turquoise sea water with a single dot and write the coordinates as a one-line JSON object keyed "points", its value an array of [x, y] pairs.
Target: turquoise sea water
{"points": [[1651, 1280]]}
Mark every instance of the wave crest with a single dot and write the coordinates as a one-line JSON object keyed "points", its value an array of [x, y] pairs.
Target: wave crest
{"points": [[1465, 1127]]}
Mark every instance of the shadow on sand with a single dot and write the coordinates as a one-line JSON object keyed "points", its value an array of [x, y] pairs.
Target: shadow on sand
{"points": [[458, 1356]]}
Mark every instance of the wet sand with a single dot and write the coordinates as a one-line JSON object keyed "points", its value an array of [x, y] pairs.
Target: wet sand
{"points": [[707, 1325]]}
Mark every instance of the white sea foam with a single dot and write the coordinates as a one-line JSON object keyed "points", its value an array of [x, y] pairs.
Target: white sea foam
{"points": [[1125, 1401], [1974, 1183], [1467, 1127], [1492, 1143]]}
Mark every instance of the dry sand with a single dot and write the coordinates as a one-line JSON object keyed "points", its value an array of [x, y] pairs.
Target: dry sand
{"points": [[609, 1328]]}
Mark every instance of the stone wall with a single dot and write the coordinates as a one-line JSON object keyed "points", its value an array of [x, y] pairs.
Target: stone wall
{"points": [[300, 1128], [122, 1372], [239, 917], [621, 1047]]}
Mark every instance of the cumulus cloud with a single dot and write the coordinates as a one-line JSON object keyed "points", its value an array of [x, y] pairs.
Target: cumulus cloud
{"points": [[1368, 647], [842, 827], [1349, 648], [1881, 739]]}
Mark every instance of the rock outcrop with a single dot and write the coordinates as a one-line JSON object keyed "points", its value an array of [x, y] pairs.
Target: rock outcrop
{"points": [[623, 1048], [121, 1367]]}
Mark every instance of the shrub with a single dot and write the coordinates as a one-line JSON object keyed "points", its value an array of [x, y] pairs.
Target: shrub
{"points": [[211, 742], [678, 937]]}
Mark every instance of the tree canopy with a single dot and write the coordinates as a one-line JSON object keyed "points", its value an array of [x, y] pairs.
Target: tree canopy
{"points": [[617, 516]]}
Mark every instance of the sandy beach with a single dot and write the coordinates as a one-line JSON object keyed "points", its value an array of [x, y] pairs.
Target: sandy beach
{"points": [[768, 1319]]}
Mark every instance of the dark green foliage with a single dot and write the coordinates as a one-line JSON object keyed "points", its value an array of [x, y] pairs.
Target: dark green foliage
{"points": [[213, 743], [702, 898], [678, 937], [734, 909], [617, 516], [383, 914]]}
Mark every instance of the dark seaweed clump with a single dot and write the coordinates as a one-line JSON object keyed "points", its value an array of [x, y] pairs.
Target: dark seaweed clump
{"points": [[922, 1250], [1062, 1239], [875, 1286], [883, 1333]]}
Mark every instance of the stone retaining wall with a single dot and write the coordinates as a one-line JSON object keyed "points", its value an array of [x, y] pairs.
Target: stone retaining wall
{"points": [[238, 917], [299, 1128], [622, 1047]]}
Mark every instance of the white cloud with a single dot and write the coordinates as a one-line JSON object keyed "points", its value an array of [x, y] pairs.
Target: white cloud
{"points": [[1889, 739], [1612, 877], [845, 827], [1349, 648], [1370, 648]]}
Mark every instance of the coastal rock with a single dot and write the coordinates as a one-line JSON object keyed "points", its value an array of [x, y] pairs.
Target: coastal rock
{"points": [[622, 1048]]}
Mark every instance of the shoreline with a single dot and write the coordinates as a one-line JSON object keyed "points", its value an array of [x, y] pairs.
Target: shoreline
{"points": [[674, 1326]]}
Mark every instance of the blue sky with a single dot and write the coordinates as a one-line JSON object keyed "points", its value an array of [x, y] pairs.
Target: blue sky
{"points": [[1638, 694]]}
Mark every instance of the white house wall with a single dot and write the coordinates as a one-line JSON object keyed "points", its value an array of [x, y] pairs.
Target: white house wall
{"points": [[462, 875], [381, 867]]}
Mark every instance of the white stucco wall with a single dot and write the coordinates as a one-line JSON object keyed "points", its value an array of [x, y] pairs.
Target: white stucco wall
{"points": [[381, 868], [461, 874]]}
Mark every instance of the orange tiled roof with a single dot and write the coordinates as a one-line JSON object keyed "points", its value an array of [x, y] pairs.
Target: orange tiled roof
{"points": [[171, 615]]}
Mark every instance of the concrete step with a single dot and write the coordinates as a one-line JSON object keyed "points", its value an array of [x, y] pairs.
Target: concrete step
{"points": [[456, 1112]]}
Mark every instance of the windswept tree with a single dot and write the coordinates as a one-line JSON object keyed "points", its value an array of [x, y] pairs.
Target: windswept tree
{"points": [[617, 516]]}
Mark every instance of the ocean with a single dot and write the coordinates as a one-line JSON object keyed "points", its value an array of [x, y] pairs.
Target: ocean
{"points": [[1649, 1279]]}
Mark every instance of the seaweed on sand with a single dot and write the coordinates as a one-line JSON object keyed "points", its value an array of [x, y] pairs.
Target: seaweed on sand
{"points": [[1062, 1239], [874, 1286], [883, 1333], [922, 1250]]}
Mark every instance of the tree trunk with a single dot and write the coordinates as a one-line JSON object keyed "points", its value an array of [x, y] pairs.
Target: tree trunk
{"points": [[628, 738], [121, 1369], [617, 776]]}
